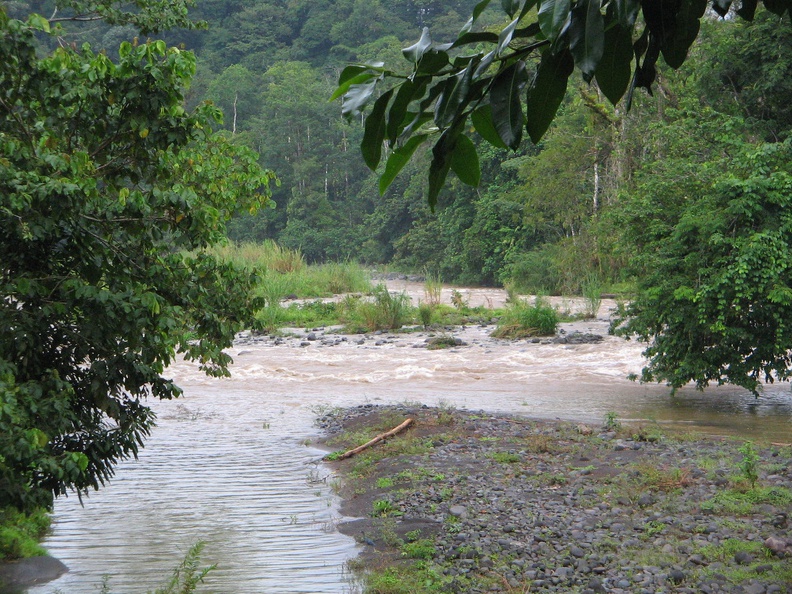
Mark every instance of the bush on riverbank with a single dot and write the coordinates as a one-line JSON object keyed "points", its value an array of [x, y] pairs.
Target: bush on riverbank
{"points": [[20, 533], [521, 320]]}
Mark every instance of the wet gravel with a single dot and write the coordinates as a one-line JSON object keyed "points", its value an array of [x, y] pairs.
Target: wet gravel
{"points": [[518, 505]]}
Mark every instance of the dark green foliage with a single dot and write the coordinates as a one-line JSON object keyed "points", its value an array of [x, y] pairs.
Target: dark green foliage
{"points": [[445, 89], [715, 300], [109, 190], [21, 532]]}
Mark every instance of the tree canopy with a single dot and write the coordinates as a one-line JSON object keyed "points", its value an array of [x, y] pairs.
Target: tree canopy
{"points": [[513, 80], [109, 192]]}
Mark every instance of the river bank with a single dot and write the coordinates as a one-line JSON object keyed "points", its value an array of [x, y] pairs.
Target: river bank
{"points": [[476, 502]]}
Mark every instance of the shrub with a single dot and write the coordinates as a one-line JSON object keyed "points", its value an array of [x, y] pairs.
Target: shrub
{"points": [[386, 311], [521, 320]]}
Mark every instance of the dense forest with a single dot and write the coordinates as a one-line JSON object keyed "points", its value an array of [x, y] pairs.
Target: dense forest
{"points": [[112, 194], [548, 217]]}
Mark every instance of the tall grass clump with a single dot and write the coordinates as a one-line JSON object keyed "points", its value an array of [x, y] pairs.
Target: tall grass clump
{"points": [[433, 288], [341, 277], [522, 319], [385, 311], [20, 533], [267, 255], [283, 271], [592, 292]]}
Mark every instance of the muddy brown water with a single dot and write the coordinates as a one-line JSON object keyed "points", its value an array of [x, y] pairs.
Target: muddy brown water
{"points": [[228, 463]]}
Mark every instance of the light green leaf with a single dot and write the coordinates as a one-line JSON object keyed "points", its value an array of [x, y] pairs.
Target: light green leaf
{"points": [[344, 85]]}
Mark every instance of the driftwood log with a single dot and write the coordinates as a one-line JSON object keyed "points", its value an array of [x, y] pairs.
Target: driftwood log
{"points": [[376, 440]]}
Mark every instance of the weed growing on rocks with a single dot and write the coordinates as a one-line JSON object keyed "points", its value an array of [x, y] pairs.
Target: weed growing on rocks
{"points": [[510, 505]]}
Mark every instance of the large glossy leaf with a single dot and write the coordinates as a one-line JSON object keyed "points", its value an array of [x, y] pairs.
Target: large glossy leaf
{"points": [[432, 62], [511, 7], [675, 45], [465, 161], [507, 111], [547, 91], [455, 96], [778, 7], [397, 160], [721, 6], [477, 10], [614, 69], [442, 152], [747, 9], [482, 122], [357, 97], [472, 38], [374, 131], [415, 52], [505, 37], [586, 36], [408, 91], [626, 11], [345, 83], [553, 17]]}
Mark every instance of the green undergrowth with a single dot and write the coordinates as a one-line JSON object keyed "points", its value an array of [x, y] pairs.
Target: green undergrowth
{"points": [[521, 320], [742, 501], [283, 271], [651, 480], [762, 562], [20, 533], [415, 578], [363, 312]]}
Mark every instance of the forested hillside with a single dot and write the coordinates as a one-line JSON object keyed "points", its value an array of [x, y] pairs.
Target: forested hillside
{"points": [[552, 217]]}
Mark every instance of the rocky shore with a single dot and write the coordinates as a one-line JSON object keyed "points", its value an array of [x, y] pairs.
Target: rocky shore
{"points": [[471, 502]]}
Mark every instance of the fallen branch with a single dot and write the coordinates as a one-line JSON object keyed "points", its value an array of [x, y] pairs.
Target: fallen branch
{"points": [[368, 444]]}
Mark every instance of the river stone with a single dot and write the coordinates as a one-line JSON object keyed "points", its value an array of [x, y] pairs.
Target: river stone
{"points": [[25, 573], [595, 585], [779, 546], [743, 558], [676, 576], [458, 511]]}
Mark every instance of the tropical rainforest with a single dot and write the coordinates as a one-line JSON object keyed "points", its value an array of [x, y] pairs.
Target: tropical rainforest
{"points": [[545, 216], [123, 156]]}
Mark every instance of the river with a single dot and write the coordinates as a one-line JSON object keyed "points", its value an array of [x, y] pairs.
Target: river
{"points": [[228, 463]]}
